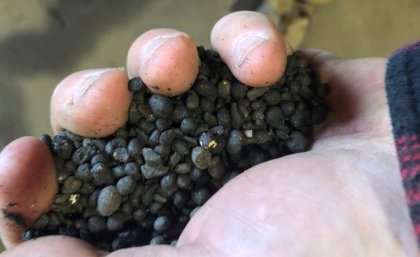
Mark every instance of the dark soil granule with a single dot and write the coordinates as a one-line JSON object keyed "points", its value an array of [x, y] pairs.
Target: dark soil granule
{"points": [[142, 184]]}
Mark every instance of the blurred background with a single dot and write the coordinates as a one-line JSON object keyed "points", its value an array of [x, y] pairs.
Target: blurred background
{"points": [[42, 41]]}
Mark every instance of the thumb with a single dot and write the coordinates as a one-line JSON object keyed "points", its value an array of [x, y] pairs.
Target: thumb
{"points": [[27, 186]]}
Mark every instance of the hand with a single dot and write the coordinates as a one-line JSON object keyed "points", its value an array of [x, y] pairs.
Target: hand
{"points": [[342, 198]]}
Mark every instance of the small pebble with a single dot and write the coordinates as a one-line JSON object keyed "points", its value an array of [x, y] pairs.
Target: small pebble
{"points": [[139, 214], [223, 117], [235, 142], [62, 146], [157, 240], [115, 222], [181, 147], [97, 158], [109, 200], [188, 125], [206, 105], [205, 88], [71, 185], [180, 198], [126, 185], [237, 118], [83, 172], [198, 175], [163, 124], [239, 90], [101, 174], [201, 157], [168, 181], [161, 224], [135, 84], [297, 142], [163, 151], [151, 156], [274, 117], [182, 168], [256, 92], [132, 169], [150, 171], [224, 88], [200, 196], [134, 147], [160, 105], [121, 154], [183, 181], [168, 136], [83, 154], [192, 101], [96, 224], [180, 112], [272, 97]]}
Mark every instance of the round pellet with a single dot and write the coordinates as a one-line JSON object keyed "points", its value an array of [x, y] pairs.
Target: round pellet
{"points": [[162, 224], [101, 174], [109, 200], [83, 172], [201, 157], [96, 224], [224, 88], [183, 181], [180, 198], [239, 90], [121, 154], [192, 101], [132, 169], [71, 185], [157, 240], [134, 147], [297, 142], [139, 214], [161, 106], [274, 117], [200, 196], [126, 185], [97, 158], [182, 168], [188, 125], [115, 222], [163, 124], [151, 156]]}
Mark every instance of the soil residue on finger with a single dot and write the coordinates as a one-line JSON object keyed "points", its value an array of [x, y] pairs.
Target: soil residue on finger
{"points": [[14, 217]]}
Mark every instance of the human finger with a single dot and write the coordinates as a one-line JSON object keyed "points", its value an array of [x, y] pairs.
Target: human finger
{"points": [[53, 246], [166, 60], [91, 103], [250, 44], [27, 186]]}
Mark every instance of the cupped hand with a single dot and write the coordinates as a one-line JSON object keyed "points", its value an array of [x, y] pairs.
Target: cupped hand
{"points": [[342, 198]]}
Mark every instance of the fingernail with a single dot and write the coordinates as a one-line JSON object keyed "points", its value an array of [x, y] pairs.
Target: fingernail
{"points": [[156, 43], [86, 81], [246, 45]]}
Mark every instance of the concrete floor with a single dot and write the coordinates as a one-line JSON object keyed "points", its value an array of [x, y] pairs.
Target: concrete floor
{"points": [[42, 41]]}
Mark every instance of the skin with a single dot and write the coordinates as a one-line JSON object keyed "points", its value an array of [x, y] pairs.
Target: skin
{"points": [[93, 103], [342, 198]]}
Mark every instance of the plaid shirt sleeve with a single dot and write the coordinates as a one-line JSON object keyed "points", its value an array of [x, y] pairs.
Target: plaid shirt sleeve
{"points": [[403, 93]]}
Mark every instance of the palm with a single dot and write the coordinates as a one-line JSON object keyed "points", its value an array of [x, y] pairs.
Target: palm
{"points": [[342, 198]]}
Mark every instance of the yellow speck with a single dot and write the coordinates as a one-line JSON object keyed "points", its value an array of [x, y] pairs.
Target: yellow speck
{"points": [[74, 198], [212, 144]]}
